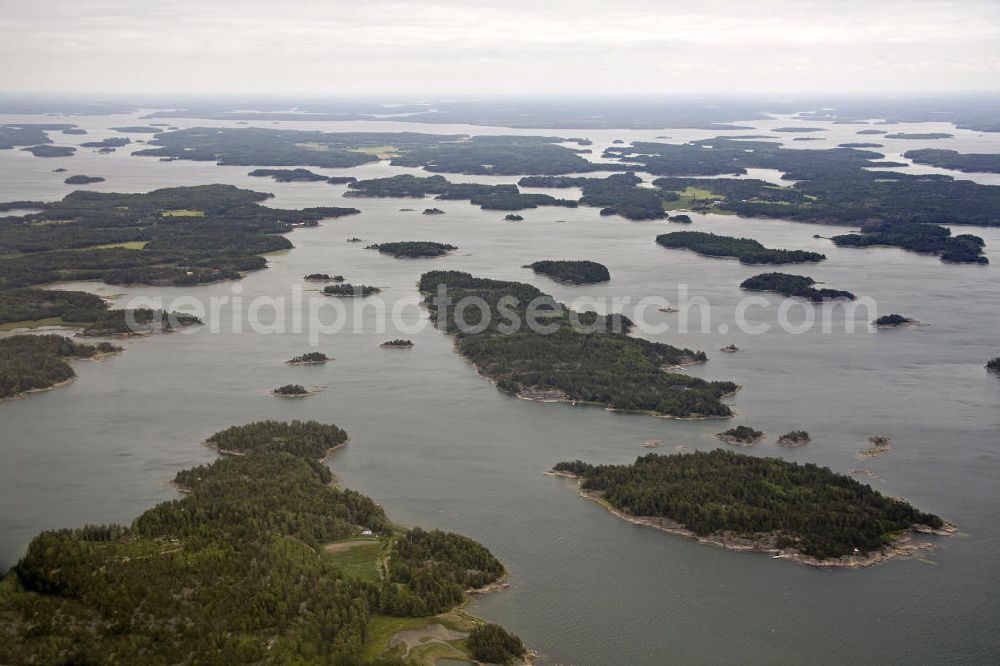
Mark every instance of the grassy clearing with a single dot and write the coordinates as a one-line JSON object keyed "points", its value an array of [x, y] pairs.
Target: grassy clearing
{"points": [[183, 212], [127, 245], [381, 152], [33, 323], [360, 560], [382, 628], [690, 196]]}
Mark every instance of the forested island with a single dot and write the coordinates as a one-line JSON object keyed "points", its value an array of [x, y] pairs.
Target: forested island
{"points": [[137, 129], [487, 197], [249, 565], [793, 285], [952, 159], [923, 238], [413, 249], [680, 219], [348, 289], [83, 180], [173, 236], [30, 363], [572, 272], [28, 134], [804, 512], [397, 343], [794, 439], [288, 175], [323, 277], [919, 135], [512, 217], [110, 142], [582, 358], [993, 364], [747, 250], [741, 436], [309, 358], [292, 391], [46, 150]]}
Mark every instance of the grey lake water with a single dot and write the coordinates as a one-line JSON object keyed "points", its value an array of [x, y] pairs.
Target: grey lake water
{"points": [[439, 447]]}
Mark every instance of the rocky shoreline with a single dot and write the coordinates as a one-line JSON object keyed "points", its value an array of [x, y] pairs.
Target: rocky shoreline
{"points": [[905, 545]]}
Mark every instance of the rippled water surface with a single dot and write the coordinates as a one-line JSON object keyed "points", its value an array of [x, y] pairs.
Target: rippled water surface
{"points": [[440, 447]]}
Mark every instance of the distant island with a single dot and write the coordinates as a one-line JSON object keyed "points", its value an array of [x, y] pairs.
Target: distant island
{"points": [[288, 175], [799, 129], [925, 238], [433, 211], [572, 272], [794, 439], [309, 358], [138, 129], [31, 363], [83, 180], [859, 145], [741, 436], [918, 135], [893, 321], [398, 343], [50, 151], [952, 159], [413, 249], [803, 513], [680, 219], [341, 180], [747, 250], [484, 195], [292, 391], [513, 217], [871, 131], [111, 142], [323, 277], [260, 559], [348, 289], [993, 364], [793, 285]]}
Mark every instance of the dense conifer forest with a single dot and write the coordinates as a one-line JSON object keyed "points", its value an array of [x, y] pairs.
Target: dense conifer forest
{"points": [[793, 285], [803, 507], [37, 362], [235, 570], [580, 357], [747, 250], [572, 272]]}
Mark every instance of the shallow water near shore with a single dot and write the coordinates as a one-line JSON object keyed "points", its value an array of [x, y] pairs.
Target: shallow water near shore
{"points": [[439, 447]]}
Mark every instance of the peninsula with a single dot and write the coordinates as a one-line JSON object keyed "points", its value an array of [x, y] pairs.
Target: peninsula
{"points": [[262, 560]]}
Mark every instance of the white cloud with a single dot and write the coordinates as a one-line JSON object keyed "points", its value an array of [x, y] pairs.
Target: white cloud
{"points": [[641, 46]]}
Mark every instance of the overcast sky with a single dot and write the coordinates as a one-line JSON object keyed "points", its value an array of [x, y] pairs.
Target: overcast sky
{"points": [[514, 46]]}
